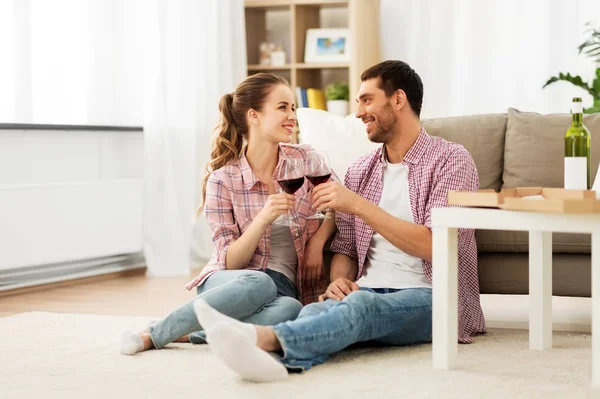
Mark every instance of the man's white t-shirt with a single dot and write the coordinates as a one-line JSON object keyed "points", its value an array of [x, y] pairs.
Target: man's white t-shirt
{"points": [[387, 266]]}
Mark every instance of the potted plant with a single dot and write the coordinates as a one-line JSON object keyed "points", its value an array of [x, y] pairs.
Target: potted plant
{"points": [[591, 48], [337, 95]]}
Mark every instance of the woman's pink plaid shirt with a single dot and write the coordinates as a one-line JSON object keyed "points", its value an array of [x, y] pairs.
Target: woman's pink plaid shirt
{"points": [[234, 196]]}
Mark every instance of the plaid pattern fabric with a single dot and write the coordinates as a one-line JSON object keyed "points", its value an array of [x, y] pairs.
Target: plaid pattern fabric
{"points": [[234, 196], [436, 166]]}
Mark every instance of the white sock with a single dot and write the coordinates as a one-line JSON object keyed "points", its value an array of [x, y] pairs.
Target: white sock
{"points": [[209, 317], [131, 343], [241, 355]]}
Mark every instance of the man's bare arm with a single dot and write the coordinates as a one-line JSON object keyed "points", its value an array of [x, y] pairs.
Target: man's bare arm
{"points": [[414, 239], [343, 266]]}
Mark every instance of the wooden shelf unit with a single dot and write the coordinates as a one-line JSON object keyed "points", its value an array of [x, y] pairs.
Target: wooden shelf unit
{"points": [[285, 22]]}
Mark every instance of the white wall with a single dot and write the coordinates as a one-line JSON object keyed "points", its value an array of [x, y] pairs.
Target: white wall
{"points": [[483, 56], [69, 195]]}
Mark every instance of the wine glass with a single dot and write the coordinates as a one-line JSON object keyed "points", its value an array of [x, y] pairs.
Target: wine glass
{"points": [[318, 171], [290, 177]]}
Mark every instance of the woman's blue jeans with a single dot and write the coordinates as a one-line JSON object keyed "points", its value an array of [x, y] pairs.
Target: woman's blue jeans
{"points": [[264, 298]]}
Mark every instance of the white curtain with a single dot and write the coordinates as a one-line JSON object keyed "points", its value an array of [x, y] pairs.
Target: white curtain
{"points": [[71, 62], [195, 52], [483, 56], [162, 64]]}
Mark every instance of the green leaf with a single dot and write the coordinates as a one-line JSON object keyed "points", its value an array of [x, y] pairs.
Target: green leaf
{"points": [[593, 41], [596, 85], [595, 50], [592, 110], [584, 45], [575, 80], [590, 48], [337, 91]]}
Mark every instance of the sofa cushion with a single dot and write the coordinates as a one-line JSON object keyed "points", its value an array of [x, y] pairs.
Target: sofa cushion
{"points": [[343, 138], [534, 156], [482, 136], [534, 150]]}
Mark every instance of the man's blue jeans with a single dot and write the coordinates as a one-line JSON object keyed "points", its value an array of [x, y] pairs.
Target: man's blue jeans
{"points": [[389, 316], [263, 298]]}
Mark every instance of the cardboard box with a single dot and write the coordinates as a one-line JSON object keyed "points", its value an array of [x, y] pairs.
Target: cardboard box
{"points": [[540, 199], [480, 198]]}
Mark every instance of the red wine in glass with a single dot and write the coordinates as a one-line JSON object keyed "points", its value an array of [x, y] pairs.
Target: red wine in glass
{"points": [[316, 180], [318, 172], [290, 186]]}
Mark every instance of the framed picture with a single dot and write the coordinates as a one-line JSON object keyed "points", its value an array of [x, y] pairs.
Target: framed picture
{"points": [[327, 45]]}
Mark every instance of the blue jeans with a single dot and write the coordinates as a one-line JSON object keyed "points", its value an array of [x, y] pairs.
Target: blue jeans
{"points": [[256, 297], [388, 316]]}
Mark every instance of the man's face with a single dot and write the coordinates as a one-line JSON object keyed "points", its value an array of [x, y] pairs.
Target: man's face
{"points": [[376, 112]]}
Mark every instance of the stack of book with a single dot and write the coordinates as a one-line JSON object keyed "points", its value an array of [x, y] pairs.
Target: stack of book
{"points": [[310, 98]]}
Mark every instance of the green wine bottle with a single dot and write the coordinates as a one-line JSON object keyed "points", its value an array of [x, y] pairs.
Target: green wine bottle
{"points": [[577, 151]]}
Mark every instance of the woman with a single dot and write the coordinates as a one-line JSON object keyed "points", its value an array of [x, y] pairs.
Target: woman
{"points": [[258, 269]]}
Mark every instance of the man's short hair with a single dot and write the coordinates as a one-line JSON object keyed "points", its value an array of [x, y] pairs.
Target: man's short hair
{"points": [[398, 75]]}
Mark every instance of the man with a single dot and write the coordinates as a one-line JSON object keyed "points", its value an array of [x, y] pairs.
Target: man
{"points": [[381, 272]]}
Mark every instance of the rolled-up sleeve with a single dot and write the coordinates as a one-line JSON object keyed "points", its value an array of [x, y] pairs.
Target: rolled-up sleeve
{"points": [[345, 239], [218, 210]]}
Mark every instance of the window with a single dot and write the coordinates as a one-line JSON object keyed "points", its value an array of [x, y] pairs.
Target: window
{"points": [[70, 62]]}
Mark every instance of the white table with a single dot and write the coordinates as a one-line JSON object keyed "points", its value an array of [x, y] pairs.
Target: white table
{"points": [[445, 223]]}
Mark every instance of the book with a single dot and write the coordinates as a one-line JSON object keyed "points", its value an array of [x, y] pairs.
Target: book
{"points": [[304, 97], [299, 100], [316, 99]]}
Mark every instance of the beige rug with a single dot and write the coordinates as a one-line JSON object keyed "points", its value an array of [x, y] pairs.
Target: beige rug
{"points": [[75, 356]]}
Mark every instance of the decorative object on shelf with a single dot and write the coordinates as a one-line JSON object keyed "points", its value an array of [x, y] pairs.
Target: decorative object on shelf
{"points": [[341, 57], [266, 49], [338, 95], [592, 50], [327, 45], [316, 98], [278, 57]]}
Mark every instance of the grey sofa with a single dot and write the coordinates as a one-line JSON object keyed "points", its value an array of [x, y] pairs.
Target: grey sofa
{"points": [[520, 149]]}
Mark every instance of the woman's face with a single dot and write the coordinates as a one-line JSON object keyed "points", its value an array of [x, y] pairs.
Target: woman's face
{"points": [[277, 118]]}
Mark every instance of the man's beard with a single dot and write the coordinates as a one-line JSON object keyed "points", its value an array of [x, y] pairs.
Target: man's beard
{"points": [[385, 126]]}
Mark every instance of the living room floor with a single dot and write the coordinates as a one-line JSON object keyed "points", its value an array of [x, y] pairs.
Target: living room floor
{"points": [[138, 295], [131, 295], [86, 319]]}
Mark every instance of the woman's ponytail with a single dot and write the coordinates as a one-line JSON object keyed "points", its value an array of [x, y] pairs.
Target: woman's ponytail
{"points": [[227, 145]]}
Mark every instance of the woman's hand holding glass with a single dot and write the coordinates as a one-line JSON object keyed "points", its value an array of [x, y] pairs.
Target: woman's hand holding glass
{"points": [[276, 205], [290, 177]]}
